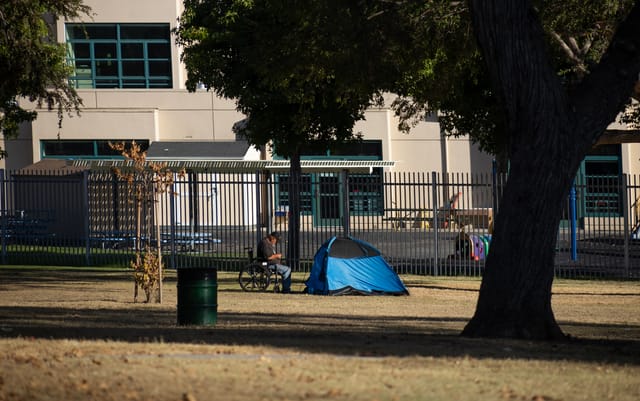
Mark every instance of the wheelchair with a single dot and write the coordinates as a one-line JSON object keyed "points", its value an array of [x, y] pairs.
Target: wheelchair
{"points": [[259, 275]]}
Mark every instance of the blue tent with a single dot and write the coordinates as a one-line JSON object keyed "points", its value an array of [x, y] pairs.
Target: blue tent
{"points": [[346, 265]]}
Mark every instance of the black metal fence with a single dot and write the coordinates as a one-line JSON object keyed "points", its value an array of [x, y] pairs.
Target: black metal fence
{"points": [[424, 223]]}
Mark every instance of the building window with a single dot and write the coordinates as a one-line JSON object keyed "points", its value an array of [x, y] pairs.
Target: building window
{"points": [[601, 181], [89, 149], [320, 194], [119, 55], [305, 188], [365, 193]]}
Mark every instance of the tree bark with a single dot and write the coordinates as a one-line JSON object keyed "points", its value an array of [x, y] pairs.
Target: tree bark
{"points": [[515, 295], [550, 130]]}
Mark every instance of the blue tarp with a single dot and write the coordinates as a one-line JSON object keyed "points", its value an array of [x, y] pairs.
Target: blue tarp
{"points": [[346, 265]]}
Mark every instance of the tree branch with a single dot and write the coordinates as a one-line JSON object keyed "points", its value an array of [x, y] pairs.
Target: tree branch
{"points": [[574, 44], [608, 88], [568, 50], [511, 36]]}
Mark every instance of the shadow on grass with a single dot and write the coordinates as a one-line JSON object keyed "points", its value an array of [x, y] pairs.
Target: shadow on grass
{"points": [[344, 335]]}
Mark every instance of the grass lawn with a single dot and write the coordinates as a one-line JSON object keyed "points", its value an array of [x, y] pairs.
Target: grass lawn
{"points": [[76, 334]]}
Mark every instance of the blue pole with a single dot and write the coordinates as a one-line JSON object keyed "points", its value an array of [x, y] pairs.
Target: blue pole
{"points": [[572, 211]]}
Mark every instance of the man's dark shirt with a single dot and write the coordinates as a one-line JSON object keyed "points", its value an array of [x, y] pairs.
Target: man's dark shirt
{"points": [[265, 250]]}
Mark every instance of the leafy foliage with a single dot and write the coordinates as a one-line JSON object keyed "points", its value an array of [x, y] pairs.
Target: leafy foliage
{"points": [[579, 31], [32, 65], [453, 80], [147, 274], [145, 182], [304, 73]]}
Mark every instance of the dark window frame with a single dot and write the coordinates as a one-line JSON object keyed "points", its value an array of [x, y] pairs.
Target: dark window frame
{"points": [[87, 70], [97, 146], [599, 181]]}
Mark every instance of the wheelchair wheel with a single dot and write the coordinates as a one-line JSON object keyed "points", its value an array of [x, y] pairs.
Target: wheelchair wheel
{"points": [[254, 277]]}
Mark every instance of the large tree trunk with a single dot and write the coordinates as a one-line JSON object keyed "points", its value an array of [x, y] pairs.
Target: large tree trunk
{"points": [[515, 295], [550, 131]]}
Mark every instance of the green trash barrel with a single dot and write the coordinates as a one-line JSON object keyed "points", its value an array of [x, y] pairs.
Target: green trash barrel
{"points": [[197, 296]]}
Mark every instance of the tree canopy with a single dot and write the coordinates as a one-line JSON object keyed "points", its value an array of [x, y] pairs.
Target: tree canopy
{"points": [[32, 63], [453, 80], [301, 71]]}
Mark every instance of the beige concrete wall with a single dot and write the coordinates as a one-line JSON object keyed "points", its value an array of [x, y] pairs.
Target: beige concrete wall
{"points": [[417, 150], [134, 11], [95, 124], [18, 149], [631, 158], [170, 115], [182, 115], [463, 156], [166, 115], [150, 99], [180, 125]]}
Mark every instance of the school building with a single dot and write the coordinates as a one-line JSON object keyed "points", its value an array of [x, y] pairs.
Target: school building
{"points": [[127, 70]]}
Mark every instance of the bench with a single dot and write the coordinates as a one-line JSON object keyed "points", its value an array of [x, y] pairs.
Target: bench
{"points": [[281, 217], [409, 218], [27, 226], [189, 241], [476, 217], [453, 219], [116, 239]]}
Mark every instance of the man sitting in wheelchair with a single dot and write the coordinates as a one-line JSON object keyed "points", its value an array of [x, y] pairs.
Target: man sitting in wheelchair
{"points": [[267, 252]]}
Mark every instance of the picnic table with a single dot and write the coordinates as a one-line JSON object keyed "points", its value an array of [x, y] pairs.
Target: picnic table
{"points": [[26, 226], [189, 241], [124, 239]]}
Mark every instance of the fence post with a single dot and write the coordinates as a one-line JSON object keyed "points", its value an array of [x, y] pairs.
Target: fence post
{"points": [[258, 201], [436, 223], [494, 188], [172, 224], [625, 222], [85, 213], [345, 203], [4, 216]]}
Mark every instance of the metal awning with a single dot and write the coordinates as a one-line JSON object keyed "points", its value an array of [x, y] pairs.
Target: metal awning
{"points": [[247, 165], [187, 150], [615, 137]]}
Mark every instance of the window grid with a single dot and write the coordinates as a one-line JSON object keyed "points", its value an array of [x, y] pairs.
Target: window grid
{"points": [[113, 62], [83, 149], [365, 190], [601, 186]]}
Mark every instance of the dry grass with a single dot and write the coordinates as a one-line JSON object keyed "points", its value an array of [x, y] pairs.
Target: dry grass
{"points": [[77, 335]]}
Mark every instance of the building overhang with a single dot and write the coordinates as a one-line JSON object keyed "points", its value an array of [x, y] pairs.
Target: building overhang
{"points": [[309, 166], [166, 151], [616, 137]]}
